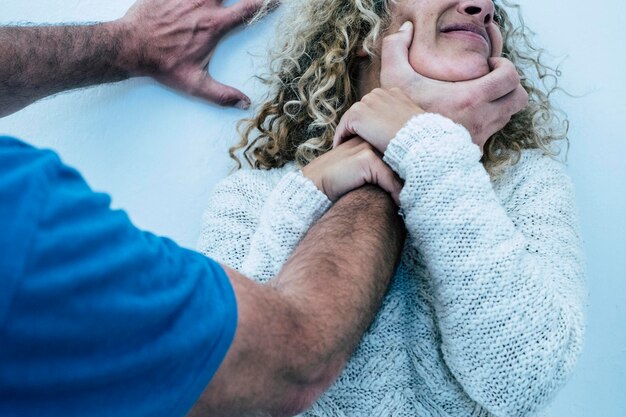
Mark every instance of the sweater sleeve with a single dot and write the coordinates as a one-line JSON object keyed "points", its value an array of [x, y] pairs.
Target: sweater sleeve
{"points": [[508, 284], [253, 227]]}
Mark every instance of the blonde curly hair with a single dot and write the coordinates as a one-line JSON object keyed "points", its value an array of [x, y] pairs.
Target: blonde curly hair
{"points": [[312, 84]]}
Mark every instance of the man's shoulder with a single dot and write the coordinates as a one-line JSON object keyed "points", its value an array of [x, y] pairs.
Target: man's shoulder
{"points": [[21, 158], [25, 172]]}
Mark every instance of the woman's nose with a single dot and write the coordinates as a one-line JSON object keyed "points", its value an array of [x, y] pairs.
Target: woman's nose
{"points": [[481, 9]]}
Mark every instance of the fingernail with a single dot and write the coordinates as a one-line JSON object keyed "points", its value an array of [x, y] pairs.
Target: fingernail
{"points": [[405, 26], [243, 104]]}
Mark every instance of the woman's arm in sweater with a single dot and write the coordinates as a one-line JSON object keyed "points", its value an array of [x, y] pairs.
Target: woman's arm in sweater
{"points": [[508, 286], [255, 220]]}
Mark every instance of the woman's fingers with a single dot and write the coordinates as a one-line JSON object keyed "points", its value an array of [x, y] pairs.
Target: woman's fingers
{"points": [[377, 118], [385, 178], [344, 128], [350, 166]]}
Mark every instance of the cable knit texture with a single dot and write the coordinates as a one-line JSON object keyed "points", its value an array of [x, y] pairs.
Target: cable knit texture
{"points": [[484, 316]]}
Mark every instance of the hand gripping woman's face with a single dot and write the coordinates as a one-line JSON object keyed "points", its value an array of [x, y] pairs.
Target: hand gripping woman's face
{"points": [[453, 39]]}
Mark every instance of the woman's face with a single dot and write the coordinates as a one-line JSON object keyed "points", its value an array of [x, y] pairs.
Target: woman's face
{"points": [[452, 38]]}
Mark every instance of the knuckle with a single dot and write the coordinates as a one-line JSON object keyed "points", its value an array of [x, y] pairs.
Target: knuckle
{"points": [[368, 98], [357, 108], [525, 98], [510, 73], [507, 64], [369, 148], [350, 124], [520, 101], [494, 88], [366, 155], [221, 97], [354, 112], [364, 148], [219, 24], [513, 77]]}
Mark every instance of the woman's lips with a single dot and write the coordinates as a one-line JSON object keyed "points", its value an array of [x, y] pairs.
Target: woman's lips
{"points": [[468, 31]]}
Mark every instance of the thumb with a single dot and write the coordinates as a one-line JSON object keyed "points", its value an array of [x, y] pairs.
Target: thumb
{"points": [[344, 129], [386, 179], [395, 56], [202, 85]]}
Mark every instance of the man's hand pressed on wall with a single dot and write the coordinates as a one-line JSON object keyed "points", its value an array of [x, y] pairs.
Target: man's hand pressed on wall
{"points": [[169, 40], [173, 40]]}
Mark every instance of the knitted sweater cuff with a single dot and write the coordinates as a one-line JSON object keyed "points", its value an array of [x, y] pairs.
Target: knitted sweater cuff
{"points": [[297, 194], [428, 132]]}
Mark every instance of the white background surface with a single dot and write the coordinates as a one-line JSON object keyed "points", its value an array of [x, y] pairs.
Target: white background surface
{"points": [[159, 153]]}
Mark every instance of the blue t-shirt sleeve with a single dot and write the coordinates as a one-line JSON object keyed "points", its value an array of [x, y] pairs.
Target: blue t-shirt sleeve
{"points": [[97, 317]]}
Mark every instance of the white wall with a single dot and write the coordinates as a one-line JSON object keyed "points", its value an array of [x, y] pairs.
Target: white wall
{"points": [[160, 153], [592, 37]]}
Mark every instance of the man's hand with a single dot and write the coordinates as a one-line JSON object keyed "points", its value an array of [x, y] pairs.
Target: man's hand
{"points": [[173, 40], [484, 106], [170, 40]]}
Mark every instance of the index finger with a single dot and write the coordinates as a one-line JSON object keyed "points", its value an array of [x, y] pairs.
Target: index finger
{"points": [[245, 10]]}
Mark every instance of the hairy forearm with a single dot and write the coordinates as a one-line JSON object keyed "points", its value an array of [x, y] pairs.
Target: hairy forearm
{"points": [[339, 273], [38, 61], [295, 334]]}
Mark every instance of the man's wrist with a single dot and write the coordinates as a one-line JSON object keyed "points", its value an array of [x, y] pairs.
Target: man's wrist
{"points": [[128, 58]]}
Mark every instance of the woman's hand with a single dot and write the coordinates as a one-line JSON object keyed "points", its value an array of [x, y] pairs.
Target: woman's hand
{"points": [[350, 166], [483, 106], [377, 118]]}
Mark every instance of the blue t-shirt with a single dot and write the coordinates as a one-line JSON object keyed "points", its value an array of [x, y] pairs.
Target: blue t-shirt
{"points": [[98, 318]]}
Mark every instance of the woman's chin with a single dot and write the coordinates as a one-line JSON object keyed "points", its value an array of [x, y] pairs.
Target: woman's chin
{"points": [[457, 71]]}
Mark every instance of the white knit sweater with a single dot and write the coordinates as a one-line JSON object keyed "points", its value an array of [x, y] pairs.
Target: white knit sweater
{"points": [[484, 316]]}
